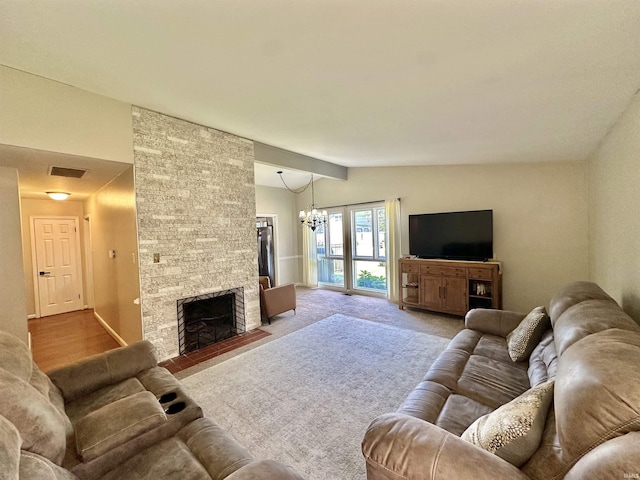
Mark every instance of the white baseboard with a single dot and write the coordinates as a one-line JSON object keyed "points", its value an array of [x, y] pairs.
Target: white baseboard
{"points": [[30, 316], [110, 330]]}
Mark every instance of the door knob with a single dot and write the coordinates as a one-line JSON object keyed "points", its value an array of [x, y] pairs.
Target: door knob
{"points": [[42, 274]]}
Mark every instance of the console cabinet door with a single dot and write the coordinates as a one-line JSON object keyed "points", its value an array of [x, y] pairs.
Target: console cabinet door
{"points": [[430, 291], [454, 295]]}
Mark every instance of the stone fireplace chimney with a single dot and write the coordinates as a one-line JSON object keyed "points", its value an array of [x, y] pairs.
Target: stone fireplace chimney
{"points": [[195, 196]]}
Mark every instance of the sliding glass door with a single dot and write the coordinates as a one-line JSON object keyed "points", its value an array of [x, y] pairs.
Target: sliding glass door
{"points": [[351, 249], [330, 245], [368, 240]]}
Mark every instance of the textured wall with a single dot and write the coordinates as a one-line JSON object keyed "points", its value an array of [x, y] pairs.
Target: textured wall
{"points": [[196, 207], [614, 202]]}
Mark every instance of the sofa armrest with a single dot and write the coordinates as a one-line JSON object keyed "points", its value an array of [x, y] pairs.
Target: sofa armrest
{"points": [[265, 470], [91, 373], [494, 322], [398, 446]]}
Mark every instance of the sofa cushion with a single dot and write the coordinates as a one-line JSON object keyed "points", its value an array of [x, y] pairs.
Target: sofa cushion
{"points": [[523, 339], [200, 450], [108, 368], [597, 393], [543, 361], [81, 407], [41, 382], [116, 423], [479, 343], [425, 401], [514, 430], [589, 317], [491, 382], [10, 442], [264, 470], [168, 459], [35, 467], [41, 425], [15, 357], [617, 455], [459, 412], [573, 294]]}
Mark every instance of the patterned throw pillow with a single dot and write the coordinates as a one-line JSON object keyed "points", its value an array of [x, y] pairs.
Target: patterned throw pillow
{"points": [[514, 430], [524, 338]]}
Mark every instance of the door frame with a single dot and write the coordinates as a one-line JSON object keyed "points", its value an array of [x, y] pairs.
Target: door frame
{"points": [[88, 262], [34, 263], [276, 246]]}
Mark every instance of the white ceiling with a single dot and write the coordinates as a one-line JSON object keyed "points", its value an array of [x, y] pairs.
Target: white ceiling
{"points": [[33, 172], [356, 83]]}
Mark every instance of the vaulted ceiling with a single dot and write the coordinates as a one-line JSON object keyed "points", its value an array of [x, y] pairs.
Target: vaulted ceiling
{"points": [[360, 83]]}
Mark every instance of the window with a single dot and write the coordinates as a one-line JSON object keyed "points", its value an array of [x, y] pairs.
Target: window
{"points": [[351, 249]]}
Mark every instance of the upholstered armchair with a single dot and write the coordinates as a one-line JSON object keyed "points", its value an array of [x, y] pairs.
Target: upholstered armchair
{"points": [[275, 300]]}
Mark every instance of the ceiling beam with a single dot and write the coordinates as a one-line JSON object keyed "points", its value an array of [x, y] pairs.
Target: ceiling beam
{"points": [[295, 161]]}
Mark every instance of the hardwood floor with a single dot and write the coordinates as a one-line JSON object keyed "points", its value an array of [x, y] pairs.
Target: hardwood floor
{"points": [[62, 339]]}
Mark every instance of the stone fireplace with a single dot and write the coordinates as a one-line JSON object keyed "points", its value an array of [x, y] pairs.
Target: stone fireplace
{"points": [[211, 318], [195, 201]]}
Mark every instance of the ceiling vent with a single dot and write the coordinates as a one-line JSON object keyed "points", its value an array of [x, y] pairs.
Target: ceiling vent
{"points": [[66, 172]]}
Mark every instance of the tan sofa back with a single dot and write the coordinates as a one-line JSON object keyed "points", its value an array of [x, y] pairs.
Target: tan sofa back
{"points": [[31, 402], [597, 388]]}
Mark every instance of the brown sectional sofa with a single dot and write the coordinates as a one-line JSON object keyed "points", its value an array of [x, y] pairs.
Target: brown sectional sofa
{"points": [[111, 416], [592, 430]]}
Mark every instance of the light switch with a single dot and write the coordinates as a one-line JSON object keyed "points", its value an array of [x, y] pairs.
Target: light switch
{"points": [[156, 258], [112, 254]]}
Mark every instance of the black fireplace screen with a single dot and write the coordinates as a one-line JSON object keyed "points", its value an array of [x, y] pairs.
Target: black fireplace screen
{"points": [[210, 318]]}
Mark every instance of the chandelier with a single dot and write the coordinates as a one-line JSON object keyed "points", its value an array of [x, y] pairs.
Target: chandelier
{"points": [[311, 218]]}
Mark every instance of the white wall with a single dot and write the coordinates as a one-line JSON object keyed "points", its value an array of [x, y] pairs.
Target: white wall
{"points": [[46, 115], [13, 314], [540, 214], [281, 202], [614, 206]]}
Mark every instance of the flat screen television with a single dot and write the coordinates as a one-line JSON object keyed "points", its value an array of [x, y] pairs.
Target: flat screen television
{"points": [[452, 235]]}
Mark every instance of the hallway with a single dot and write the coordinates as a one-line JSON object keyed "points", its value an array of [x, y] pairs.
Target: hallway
{"points": [[62, 339]]}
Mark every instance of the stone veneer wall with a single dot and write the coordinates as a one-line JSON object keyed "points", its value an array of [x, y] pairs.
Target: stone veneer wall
{"points": [[195, 194]]}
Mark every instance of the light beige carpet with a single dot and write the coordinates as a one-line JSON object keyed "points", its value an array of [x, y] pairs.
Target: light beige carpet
{"points": [[307, 398]]}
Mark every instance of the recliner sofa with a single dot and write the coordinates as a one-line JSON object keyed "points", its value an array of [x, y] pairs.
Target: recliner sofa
{"points": [[592, 430], [112, 416]]}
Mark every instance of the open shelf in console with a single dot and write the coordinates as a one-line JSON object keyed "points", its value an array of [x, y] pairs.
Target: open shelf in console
{"points": [[410, 288]]}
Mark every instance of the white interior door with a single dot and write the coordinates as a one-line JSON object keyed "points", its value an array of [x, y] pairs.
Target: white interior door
{"points": [[57, 265]]}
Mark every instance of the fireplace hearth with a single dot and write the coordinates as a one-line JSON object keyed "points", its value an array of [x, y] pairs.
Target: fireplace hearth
{"points": [[210, 318]]}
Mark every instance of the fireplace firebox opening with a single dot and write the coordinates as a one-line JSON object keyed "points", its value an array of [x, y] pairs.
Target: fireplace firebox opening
{"points": [[210, 318]]}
